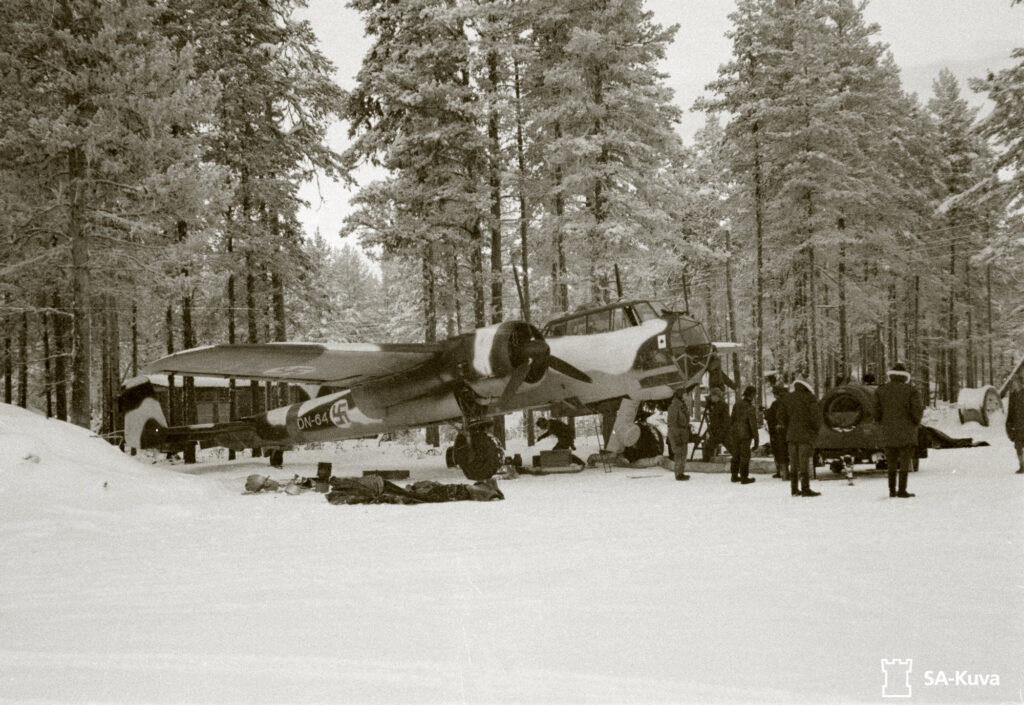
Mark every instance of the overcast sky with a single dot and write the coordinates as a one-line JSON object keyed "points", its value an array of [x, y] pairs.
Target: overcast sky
{"points": [[967, 36]]}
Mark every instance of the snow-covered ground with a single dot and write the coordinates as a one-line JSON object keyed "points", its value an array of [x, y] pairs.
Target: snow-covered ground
{"points": [[131, 581]]}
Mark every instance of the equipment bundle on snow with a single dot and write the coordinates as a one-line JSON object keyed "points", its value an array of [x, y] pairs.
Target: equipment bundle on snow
{"points": [[374, 489]]}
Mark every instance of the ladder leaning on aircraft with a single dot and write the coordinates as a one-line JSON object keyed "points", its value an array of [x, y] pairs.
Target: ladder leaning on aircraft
{"points": [[606, 359]]}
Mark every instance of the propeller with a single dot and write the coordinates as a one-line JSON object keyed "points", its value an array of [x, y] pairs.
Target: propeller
{"points": [[537, 358]]}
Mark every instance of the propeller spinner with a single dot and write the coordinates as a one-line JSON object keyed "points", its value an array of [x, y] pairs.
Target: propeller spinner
{"points": [[532, 358]]}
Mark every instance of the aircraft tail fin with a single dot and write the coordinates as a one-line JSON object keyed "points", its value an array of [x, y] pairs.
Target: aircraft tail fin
{"points": [[145, 425]]}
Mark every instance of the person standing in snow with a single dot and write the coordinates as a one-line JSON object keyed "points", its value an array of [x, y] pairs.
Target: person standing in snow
{"points": [[562, 433], [678, 423], [801, 416], [1015, 420], [777, 432], [718, 423], [899, 412], [743, 436]]}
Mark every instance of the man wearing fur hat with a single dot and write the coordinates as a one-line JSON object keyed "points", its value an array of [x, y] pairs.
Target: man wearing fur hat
{"points": [[801, 416], [678, 423], [899, 413], [743, 436]]}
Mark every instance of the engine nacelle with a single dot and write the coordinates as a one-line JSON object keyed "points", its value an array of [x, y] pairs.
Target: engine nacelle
{"points": [[494, 352]]}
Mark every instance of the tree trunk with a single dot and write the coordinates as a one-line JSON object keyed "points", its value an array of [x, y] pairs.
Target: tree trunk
{"points": [[47, 367], [524, 227], [476, 264], [135, 340], [495, 184], [970, 361], [759, 234], [23, 362], [812, 307], [732, 310], [232, 394], [560, 284], [844, 353], [255, 397], [523, 210], [988, 322], [81, 291], [8, 365], [429, 302], [117, 417], [60, 374], [172, 400], [106, 413], [952, 382]]}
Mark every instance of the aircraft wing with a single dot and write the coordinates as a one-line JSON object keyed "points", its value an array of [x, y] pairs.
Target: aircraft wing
{"points": [[333, 364]]}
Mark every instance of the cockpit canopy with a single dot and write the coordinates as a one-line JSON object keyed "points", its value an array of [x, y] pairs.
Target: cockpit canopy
{"points": [[622, 314], [688, 345]]}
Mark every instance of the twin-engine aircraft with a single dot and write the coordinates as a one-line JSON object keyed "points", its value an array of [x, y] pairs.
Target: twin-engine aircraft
{"points": [[607, 359]]}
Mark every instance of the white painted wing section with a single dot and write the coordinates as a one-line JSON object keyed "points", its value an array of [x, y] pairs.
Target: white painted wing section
{"points": [[334, 364]]}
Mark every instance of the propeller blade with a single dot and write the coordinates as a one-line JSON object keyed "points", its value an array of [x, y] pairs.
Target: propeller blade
{"points": [[560, 365], [515, 380]]}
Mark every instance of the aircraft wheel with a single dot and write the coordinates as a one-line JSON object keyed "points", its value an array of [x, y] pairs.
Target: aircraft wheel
{"points": [[277, 458], [478, 454]]}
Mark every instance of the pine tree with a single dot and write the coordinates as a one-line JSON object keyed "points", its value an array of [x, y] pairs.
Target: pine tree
{"points": [[94, 99]]}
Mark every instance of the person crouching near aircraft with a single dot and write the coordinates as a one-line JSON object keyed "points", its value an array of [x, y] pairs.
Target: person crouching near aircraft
{"points": [[743, 434], [1015, 420], [678, 422], [899, 413], [718, 423], [563, 436], [777, 432], [801, 416]]}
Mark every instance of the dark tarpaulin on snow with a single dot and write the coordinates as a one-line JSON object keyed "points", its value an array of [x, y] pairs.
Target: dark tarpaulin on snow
{"points": [[376, 490]]}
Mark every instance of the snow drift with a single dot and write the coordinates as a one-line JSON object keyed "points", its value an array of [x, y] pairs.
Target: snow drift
{"points": [[621, 586]]}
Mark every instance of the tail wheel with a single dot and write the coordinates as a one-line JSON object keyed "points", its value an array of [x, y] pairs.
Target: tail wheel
{"points": [[478, 453]]}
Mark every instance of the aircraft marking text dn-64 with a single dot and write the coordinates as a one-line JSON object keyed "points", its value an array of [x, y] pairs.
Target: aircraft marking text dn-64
{"points": [[606, 359]]}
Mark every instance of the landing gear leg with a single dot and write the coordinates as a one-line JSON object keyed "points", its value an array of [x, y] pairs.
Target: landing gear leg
{"points": [[478, 453]]}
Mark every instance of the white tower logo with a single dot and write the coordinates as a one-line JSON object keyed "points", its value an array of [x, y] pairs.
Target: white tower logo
{"points": [[897, 677]]}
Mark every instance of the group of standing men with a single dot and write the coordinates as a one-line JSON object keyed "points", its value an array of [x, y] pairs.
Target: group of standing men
{"points": [[794, 419]]}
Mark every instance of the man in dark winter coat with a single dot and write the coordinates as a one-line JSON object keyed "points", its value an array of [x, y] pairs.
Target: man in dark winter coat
{"points": [[743, 436], [563, 434], [718, 423], [777, 432], [678, 423], [898, 412], [1015, 421], [801, 416]]}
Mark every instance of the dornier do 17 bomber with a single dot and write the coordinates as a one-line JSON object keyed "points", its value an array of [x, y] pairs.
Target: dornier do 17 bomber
{"points": [[606, 359]]}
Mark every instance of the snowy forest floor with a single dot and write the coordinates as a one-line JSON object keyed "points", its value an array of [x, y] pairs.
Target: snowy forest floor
{"points": [[132, 581]]}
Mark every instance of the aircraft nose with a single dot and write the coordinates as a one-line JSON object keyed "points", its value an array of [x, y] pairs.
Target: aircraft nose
{"points": [[691, 347]]}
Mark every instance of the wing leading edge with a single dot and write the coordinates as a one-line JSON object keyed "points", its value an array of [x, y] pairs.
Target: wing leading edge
{"points": [[334, 364]]}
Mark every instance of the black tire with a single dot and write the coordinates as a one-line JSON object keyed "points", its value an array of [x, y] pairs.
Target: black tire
{"points": [[479, 455], [277, 458]]}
